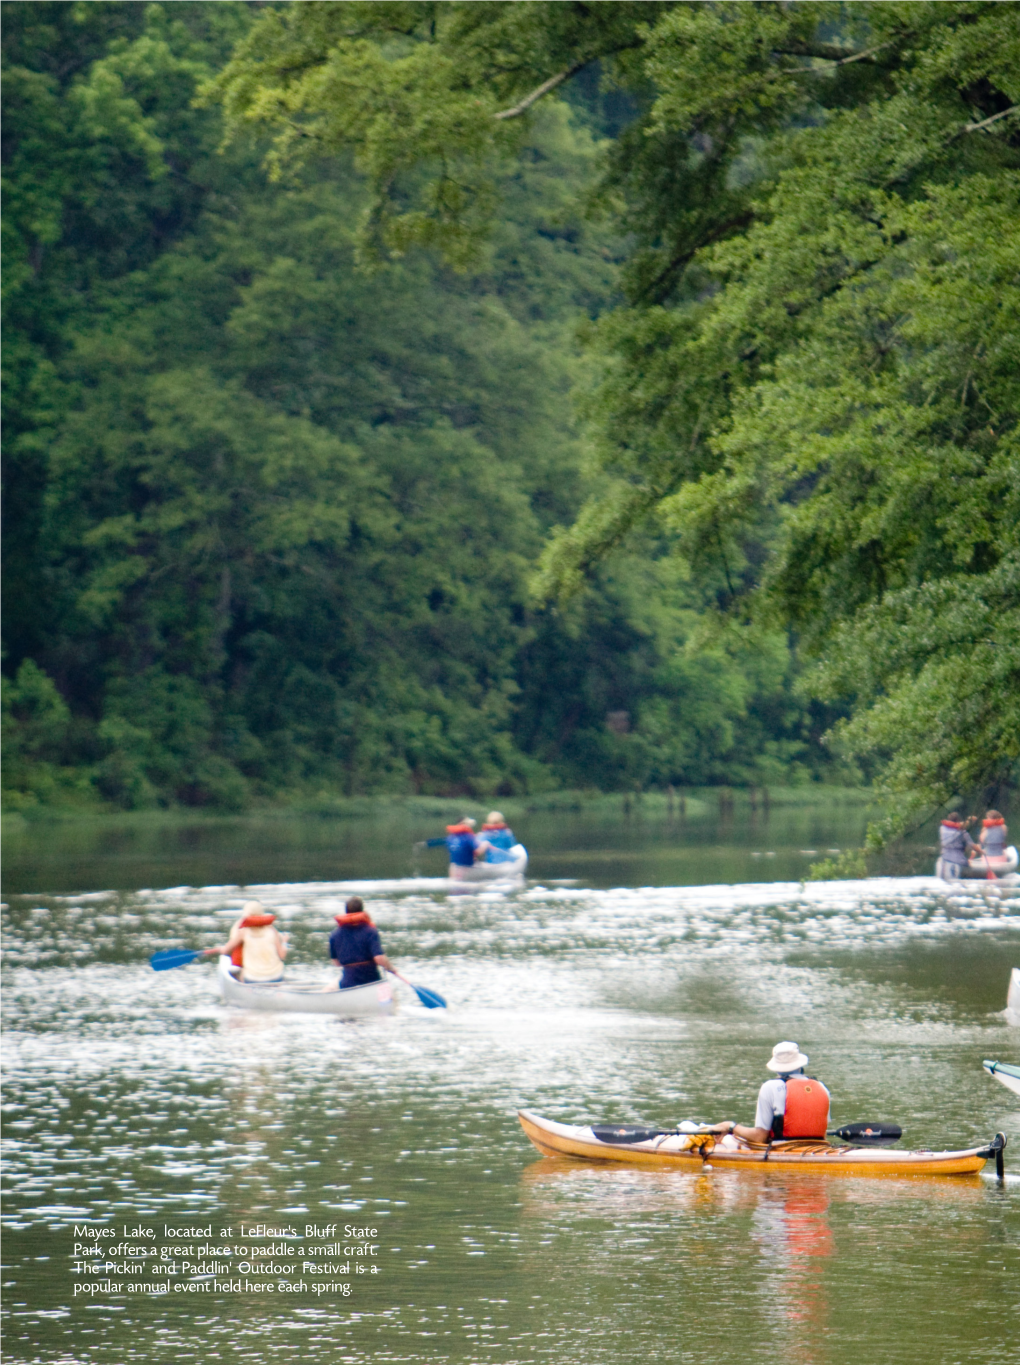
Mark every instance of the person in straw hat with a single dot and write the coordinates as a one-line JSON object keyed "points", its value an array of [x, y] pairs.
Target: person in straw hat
{"points": [[790, 1105]]}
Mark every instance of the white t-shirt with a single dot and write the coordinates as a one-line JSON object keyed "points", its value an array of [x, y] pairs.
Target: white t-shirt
{"points": [[260, 958], [772, 1101]]}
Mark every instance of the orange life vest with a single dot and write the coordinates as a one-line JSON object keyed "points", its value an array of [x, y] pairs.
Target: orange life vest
{"points": [[807, 1108]]}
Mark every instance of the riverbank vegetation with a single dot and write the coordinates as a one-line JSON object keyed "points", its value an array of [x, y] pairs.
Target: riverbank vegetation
{"points": [[323, 320]]}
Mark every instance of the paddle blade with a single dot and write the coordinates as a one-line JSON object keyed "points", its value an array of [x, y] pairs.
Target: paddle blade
{"points": [[620, 1133], [173, 957], [432, 1000], [869, 1134]]}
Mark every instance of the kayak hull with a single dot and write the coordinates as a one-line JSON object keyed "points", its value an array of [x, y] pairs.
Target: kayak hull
{"points": [[357, 1002], [511, 868], [819, 1158], [1008, 1075]]}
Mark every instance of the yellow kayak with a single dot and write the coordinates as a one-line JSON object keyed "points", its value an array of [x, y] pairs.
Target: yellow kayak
{"points": [[693, 1152]]}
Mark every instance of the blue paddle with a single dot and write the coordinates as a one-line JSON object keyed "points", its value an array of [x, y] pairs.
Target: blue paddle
{"points": [[432, 1000], [174, 957]]}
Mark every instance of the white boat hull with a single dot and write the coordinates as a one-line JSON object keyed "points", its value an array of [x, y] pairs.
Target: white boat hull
{"points": [[1013, 998], [981, 865], [512, 869], [356, 1002], [1009, 1076]]}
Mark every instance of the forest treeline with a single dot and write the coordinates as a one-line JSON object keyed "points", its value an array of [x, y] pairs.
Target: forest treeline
{"points": [[488, 398]]}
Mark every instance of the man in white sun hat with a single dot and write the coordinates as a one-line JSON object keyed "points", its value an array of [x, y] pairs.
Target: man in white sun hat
{"points": [[791, 1105]]}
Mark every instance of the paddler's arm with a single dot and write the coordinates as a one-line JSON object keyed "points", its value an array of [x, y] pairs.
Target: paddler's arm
{"points": [[381, 960], [751, 1134], [227, 947], [739, 1130]]}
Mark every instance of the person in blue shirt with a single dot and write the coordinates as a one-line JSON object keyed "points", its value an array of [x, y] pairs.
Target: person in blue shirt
{"points": [[355, 947], [463, 843], [497, 832]]}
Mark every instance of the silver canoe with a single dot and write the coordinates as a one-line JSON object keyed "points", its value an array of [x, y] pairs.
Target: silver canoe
{"points": [[510, 869], [294, 997]]}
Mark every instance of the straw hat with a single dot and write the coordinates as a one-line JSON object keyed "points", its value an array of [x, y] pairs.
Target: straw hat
{"points": [[786, 1057]]}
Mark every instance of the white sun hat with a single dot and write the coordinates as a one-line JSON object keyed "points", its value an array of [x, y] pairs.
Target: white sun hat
{"points": [[786, 1057]]}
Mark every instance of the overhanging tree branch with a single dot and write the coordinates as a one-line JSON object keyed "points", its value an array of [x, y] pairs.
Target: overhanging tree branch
{"points": [[838, 56], [863, 56], [986, 123], [561, 76], [541, 90], [687, 254]]}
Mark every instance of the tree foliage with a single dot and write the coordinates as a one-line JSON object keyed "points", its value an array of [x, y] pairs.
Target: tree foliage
{"points": [[812, 379], [271, 515]]}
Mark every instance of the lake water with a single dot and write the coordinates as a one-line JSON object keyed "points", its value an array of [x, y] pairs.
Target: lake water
{"points": [[136, 1100], [608, 841]]}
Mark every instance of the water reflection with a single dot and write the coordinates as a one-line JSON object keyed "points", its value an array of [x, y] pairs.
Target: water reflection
{"points": [[605, 843], [790, 1228], [780, 1259], [131, 1095]]}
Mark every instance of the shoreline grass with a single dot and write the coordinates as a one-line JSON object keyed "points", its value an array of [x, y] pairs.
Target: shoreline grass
{"points": [[694, 802]]}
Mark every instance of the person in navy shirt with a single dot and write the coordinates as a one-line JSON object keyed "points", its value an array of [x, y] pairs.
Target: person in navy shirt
{"points": [[464, 845], [355, 947]]}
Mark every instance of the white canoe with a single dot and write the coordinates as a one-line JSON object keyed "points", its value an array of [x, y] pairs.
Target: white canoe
{"points": [[980, 864], [295, 997], [511, 868], [1013, 998]]}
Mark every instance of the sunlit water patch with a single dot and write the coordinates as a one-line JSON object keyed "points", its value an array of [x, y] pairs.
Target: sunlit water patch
{"points": [[131, 1094]]}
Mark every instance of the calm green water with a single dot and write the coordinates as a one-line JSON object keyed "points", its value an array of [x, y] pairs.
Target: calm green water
{"points": [[612, 841], [136, 1098]]}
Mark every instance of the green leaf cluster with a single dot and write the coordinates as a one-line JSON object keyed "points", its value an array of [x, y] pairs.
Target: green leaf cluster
{"points": [[810, 388], [271, 516]]}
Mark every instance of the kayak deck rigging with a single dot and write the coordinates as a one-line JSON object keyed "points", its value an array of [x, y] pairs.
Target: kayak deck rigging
{"points": [[694, 1151]]}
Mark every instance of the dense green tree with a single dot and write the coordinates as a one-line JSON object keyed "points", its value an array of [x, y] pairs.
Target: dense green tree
{"points": [[274, 514], [813, 380]]}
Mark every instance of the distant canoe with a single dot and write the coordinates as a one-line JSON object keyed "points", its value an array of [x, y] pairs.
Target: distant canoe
{"points": [[980, 865], [693, 1153], [512, 867], [293, 997]]}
